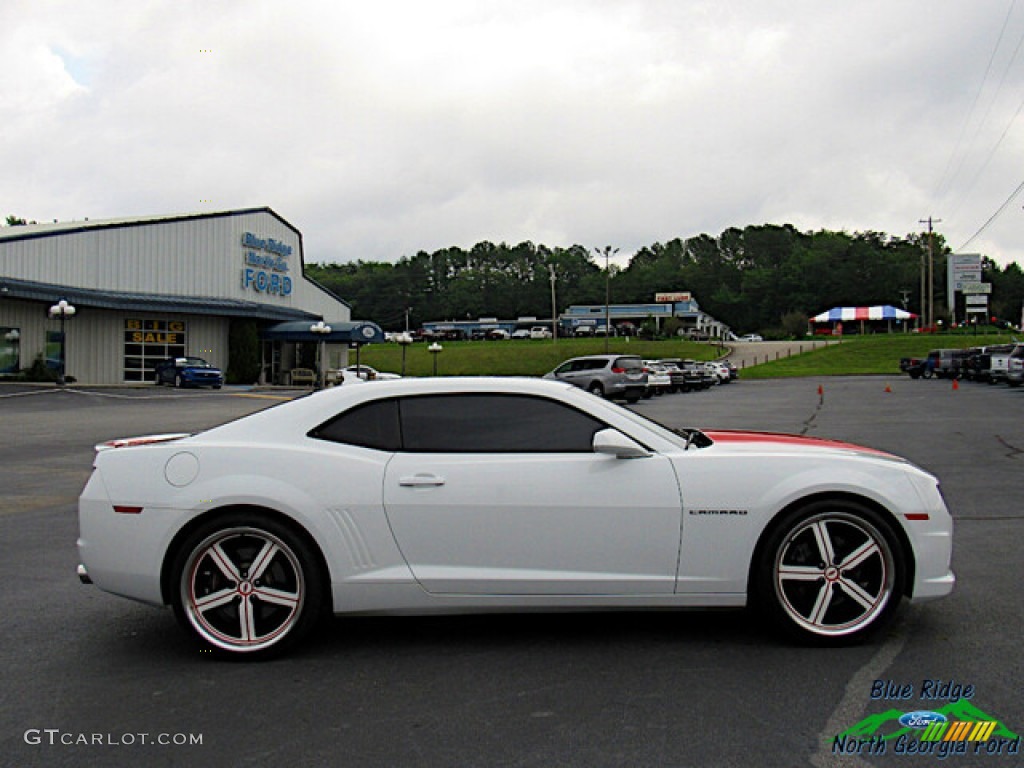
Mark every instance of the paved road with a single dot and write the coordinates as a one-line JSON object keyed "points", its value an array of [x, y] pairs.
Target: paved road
{"points": [[745, 354], [655, 689]]}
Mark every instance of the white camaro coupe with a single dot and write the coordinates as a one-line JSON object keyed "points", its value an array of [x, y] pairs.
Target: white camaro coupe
{"points": [[487, 494]]}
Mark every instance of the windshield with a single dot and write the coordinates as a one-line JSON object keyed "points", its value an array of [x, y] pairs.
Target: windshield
{"points": [[684, 437]]}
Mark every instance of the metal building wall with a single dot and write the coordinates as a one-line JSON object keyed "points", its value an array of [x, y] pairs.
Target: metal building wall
{"points": [[201, 256], [95, 338], [195, 256]]}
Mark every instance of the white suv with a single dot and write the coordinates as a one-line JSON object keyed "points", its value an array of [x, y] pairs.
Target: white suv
{"points": [[1015, 366]]}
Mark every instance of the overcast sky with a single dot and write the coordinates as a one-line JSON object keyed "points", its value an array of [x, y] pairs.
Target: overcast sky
{"points": [[383, 128]]}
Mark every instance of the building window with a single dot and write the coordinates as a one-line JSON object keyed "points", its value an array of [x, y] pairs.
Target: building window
{"points": [[147, 342], [10, 350]]}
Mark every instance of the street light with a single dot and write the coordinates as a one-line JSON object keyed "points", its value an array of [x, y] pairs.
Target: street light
{"points": [[321, 330], [607, 252], [435, 349], [404, 340], [554, 311], [63, 310]]}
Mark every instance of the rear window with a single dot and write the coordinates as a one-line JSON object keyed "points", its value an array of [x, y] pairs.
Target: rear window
{"points": [[371, 425], [630, 364]]}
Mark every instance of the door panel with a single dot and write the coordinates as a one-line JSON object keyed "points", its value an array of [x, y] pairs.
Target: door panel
{"points": [[539, 523]]}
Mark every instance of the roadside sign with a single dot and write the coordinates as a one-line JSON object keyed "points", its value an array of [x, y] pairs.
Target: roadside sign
{"points": [[974, 287]]}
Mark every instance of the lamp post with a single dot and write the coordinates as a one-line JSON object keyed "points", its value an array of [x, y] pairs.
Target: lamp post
{"points": [[435, 349], [554, 311], [63, 310], [607, 252], [404, 340], [321, 330]]}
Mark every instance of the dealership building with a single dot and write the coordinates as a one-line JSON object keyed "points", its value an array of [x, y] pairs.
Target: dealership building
{"points": [[146, 289]]}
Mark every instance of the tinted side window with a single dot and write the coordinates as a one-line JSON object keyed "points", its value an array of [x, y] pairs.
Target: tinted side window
{"points": [[372, 425], [482, 423], [629, 364]]}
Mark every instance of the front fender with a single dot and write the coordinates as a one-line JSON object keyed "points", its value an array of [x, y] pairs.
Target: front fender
{"points": [[728, 502]]}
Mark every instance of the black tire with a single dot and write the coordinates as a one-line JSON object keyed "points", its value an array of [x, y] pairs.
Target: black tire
{"points": [[217, 598], [595, 388], [216, 386], [631, 399], [926, 373], [813, 597]]}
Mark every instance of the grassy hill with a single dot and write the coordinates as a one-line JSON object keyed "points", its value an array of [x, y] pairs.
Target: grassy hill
{"points": [[519, 357], [878, 353], [874, 354]]}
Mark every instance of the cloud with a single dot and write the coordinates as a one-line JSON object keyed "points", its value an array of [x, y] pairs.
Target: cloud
{"points": [[382, 129]]}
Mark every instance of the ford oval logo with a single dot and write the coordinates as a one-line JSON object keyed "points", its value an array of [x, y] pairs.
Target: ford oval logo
{"points": [[921, 719]]}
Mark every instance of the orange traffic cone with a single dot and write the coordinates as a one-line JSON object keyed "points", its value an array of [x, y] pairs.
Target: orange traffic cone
{"points": [[956, 385], [888, 389], [821, 390]]}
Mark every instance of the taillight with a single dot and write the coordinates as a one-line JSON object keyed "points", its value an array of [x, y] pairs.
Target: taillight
{"points": [[618, 370]]}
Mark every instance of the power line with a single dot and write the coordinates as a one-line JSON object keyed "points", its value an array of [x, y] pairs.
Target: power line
{"points": [[988, 160], [994, 216], [946, 177]]}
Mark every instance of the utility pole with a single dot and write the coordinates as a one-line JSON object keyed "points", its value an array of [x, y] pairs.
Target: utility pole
{"points": [[931, 273]]}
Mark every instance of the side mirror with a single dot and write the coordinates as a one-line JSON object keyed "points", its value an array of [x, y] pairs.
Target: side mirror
{"points": [[614, 443]]}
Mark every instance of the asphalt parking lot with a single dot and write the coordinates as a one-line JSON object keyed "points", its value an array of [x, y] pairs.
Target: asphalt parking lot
{"points": [[91, 679]]}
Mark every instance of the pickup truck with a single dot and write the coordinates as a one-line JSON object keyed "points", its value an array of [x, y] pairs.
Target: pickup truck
{"points": [[917, 367], [1001, 363], [944, 363]]}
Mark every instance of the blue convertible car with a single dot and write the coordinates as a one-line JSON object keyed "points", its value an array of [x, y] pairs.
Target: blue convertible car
{"points": [[188, 371]]}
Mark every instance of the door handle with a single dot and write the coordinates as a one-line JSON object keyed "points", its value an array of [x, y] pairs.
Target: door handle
{"points": [[417, 481]]}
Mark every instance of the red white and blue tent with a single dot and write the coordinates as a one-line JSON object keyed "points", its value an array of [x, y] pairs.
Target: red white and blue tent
{"points": [[847, 314]]}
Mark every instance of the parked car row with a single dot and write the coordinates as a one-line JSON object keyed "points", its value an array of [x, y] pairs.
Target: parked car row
{"points": [[629, 378], [992, 364]]}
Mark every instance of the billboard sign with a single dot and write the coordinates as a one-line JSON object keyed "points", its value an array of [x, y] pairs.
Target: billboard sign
{"points": [[673, 297]]}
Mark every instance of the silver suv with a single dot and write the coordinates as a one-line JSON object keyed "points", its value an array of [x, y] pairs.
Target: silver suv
{"points": [[611, 376]]}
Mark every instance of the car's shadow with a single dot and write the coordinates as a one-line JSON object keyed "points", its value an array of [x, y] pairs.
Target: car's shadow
{"points": [[578, 631]]}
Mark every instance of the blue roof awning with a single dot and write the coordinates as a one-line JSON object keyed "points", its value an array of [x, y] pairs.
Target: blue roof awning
{"points": [[359, 332]]}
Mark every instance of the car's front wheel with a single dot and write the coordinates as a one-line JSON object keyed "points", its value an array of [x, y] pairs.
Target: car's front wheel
{"points": [[246, 585], [830, 573]]}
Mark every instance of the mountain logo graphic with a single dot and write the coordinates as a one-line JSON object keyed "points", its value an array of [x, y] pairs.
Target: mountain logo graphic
{"points": [[893, 723]]}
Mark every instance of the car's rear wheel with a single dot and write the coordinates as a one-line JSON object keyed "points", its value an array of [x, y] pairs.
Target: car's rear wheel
{"points": [[246, 585], [596, 389], [831, 573]]}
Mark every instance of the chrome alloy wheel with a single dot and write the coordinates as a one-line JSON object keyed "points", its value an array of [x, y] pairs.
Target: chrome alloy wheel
{"points": [[834, 574], [242, 589]]}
